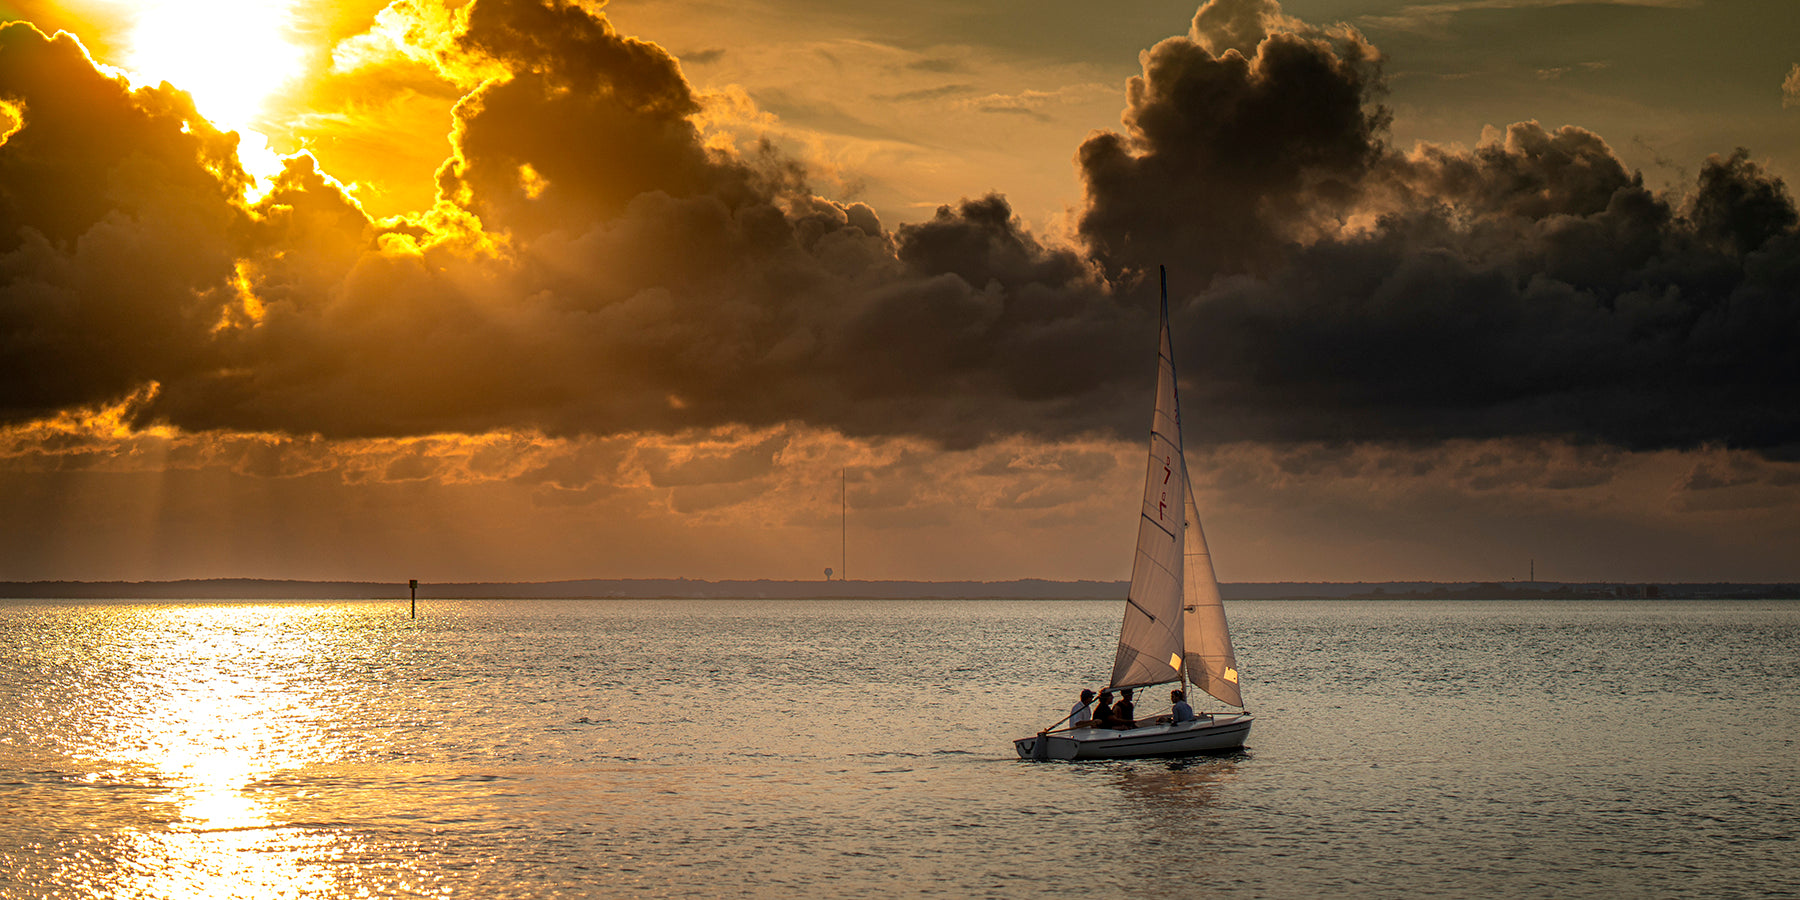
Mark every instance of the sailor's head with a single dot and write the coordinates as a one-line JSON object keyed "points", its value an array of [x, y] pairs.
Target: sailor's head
{"points": [[1087, 696], [1177, 696], [1126, 693]]}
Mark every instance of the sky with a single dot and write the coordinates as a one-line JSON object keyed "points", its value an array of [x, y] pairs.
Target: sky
{"points": [[514, 290]]}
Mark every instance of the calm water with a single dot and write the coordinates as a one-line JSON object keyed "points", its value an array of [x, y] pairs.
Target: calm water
{"points": [[849, 749]]}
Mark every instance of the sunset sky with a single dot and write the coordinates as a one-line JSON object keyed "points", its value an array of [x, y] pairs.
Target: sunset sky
{"points": [[517, 290]]}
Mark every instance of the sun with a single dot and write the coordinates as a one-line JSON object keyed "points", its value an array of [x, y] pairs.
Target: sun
{"points": [[232, 56]]}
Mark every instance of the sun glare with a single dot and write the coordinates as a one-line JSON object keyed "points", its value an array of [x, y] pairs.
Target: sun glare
{"points": [[231, 55]]}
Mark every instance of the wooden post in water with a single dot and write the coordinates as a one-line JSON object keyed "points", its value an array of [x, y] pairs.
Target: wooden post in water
{"points": [[414, 584], [843, 524]]}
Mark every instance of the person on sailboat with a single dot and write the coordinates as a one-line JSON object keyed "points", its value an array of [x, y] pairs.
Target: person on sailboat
{"points": [[1179, 710], [1081, 715], [1124, 712], [1103, 711]]}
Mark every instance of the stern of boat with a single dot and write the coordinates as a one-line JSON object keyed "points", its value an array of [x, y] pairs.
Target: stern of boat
{"points": [[1056, 746]]}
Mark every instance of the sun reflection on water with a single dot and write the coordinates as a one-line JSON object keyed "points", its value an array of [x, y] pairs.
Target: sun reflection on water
{"points": [[228, 712]]}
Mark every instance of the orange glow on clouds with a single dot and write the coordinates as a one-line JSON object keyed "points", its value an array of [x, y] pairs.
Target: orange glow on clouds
{"points": [[12, 118]]}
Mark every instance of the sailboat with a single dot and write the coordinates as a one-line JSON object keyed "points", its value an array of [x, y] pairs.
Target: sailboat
{"points": [[1174, 628]]}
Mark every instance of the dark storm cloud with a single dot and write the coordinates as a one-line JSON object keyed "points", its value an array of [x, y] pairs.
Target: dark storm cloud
{"points": [[645, 281], [117, 232], [1227, 157], [1404, 334], [595, 266], [598, 117], [1529, 287], [1339, 290], [1738, 208]]}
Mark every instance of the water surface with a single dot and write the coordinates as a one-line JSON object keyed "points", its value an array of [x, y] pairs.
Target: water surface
{"points": [[765, 748]]}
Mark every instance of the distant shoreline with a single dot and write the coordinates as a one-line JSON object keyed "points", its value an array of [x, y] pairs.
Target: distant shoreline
{"points": [[1022, 589]]}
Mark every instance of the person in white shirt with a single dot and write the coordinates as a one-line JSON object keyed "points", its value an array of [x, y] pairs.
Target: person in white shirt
{"points": [[1081, 714]]}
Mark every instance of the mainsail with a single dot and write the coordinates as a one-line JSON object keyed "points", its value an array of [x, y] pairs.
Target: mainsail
{"points": [[1151, 637], [1174, 620]]}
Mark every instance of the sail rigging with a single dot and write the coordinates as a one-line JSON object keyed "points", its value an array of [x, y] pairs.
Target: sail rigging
{"points": [[1174, 625]]}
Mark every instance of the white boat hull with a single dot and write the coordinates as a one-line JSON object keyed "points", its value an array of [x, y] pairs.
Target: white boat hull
{"points": [[1211, 733]]}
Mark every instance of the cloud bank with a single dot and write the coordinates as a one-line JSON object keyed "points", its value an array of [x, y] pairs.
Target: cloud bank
{"points": [[598, 263]]}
